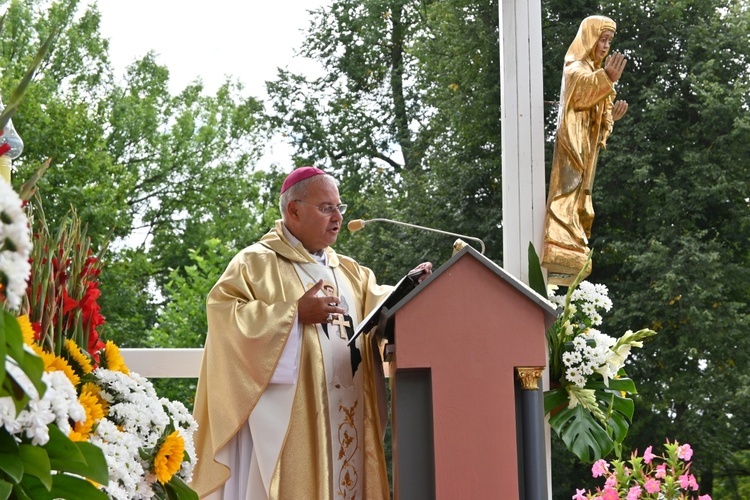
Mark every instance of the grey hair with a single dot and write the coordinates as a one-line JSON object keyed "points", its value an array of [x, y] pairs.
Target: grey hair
{"points": [[299, 191]]}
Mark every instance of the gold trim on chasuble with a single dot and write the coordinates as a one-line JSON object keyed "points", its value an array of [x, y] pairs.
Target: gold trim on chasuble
{"points": [[338, 395]]}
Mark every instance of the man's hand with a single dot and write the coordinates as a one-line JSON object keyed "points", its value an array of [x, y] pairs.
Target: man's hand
{"points": [[312, 309], [619, 108], [614, 66], [425, 268]]}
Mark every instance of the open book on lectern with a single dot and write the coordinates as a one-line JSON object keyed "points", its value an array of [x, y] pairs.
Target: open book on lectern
{"points": [[401, 290]]}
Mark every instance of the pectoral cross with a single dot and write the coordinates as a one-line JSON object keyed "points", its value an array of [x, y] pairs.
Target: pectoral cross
{"points": [[342, 324]]}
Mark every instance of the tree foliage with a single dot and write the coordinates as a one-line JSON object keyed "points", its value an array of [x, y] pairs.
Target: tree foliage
{"points": [[407, 118], [160, 173]]}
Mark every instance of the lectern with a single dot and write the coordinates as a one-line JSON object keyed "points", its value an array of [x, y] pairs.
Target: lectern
{"points": [[463, 427]]}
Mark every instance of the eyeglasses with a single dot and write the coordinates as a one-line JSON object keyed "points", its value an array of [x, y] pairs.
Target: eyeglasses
{"points": [[327, 209]]}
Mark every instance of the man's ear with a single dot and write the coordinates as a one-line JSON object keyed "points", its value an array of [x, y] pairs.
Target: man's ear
{"points": [[292, 210]]}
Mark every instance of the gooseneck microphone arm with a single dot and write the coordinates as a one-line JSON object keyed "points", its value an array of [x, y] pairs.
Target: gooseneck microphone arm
{"points": [[357, 224]]}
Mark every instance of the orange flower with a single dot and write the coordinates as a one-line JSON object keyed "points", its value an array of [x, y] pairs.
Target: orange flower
{"points": [[168, 459]]}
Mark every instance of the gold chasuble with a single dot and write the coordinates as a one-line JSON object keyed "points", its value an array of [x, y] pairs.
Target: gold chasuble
{"points": [[326, 426]]}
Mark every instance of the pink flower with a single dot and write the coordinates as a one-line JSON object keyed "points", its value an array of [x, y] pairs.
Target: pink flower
{"points": [[610, 494], [580, 495], [693, 483], [704, 497], [611, 482], [685, 452], [652, 485], [661, 471], [684, 481], [599, 468], [634, 493], [648, 456]]}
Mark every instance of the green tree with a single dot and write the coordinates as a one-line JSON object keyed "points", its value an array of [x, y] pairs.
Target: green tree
{"points": [[397, 101], [159, 173]]}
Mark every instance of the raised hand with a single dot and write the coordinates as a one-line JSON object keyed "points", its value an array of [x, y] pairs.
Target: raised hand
{"points": [[614, 66], [619, 108]]}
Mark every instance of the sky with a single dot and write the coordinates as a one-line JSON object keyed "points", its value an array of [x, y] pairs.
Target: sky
{"points": [[211, 40]]}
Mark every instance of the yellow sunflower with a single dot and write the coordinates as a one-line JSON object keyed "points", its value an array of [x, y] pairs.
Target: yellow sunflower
{"points": [[168, 459], [113, 358], [94, 413], [26, 329], [55, 363], [78, 357], [95, 390]]}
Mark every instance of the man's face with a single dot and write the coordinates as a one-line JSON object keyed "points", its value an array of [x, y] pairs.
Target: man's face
{"points": [[602, 45], [315, 230]]}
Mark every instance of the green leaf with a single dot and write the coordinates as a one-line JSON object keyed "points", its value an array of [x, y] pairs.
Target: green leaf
{"points": [[10, 462], [80, 458], [536, 277], [21, 491], [582, 433], [626, 406], [65, 486], [177, 489], [33, 366], [36, 463], [3, 349], [13, 336], [615, 384], [94, 465], [5, 489], [618, 426], [555, 398]]}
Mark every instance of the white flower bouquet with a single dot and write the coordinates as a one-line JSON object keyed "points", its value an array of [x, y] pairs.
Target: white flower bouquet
{"points": [[588, 401]]}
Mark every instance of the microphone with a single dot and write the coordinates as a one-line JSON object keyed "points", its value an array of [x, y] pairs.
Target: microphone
{"points": [[357, 224]]}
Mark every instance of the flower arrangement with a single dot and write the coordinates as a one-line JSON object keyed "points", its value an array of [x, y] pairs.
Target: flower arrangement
{"points": [[665, 477], [588, 401], [81, 408]]}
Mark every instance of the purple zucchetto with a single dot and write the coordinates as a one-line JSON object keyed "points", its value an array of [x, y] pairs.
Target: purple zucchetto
{"points": [[300, 174]]}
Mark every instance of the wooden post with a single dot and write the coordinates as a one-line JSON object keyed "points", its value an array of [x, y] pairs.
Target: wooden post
{"points": [[522, 115]]}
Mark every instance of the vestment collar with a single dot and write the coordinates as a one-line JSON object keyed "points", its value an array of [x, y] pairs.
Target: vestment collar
{"points": [[281, 241]]}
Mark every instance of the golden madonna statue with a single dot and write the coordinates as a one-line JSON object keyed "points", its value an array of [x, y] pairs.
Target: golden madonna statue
{"points": [[586, 115]]}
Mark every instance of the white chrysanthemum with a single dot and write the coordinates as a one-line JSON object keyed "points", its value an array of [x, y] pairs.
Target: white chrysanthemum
{"points": [[571, 358], [15, 246], [63, 400], [34, 420], [8, 415], [588, 309], [574, 375], [586, 369], [579, 342], [123, 459]]}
